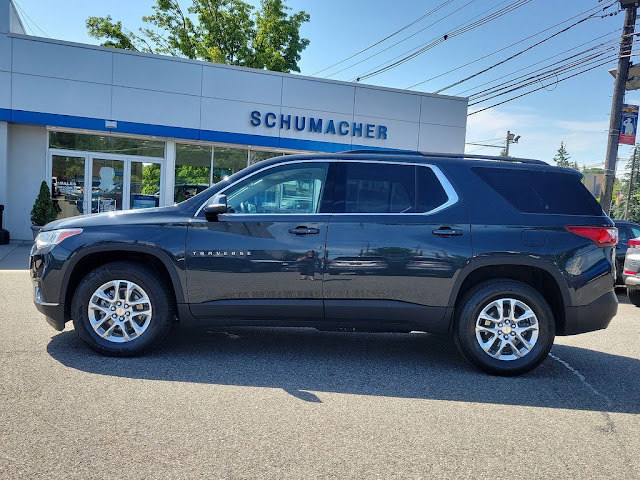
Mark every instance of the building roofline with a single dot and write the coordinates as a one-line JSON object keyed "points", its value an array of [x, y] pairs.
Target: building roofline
{"points": [[229, 67]]}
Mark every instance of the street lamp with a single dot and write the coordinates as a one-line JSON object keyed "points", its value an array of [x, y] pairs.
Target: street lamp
{"points": [[511, 138]]}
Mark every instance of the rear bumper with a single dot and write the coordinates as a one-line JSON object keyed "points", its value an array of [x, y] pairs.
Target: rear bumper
{"points": [[632, 282], [593, 316]]}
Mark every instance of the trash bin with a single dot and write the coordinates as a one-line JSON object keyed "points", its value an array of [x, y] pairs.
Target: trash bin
{"points": [[4, 235]]}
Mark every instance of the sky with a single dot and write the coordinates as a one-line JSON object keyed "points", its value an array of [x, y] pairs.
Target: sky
{"points": [[575, 111]]}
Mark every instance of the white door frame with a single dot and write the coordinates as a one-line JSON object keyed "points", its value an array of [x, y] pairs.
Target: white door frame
{"points": [[126, 174]]}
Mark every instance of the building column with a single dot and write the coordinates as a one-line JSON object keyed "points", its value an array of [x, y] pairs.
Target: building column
{"points": [[169, 172], [4, 170]]}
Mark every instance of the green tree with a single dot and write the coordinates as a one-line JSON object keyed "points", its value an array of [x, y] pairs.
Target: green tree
{"points": [[150, 179], [620, 196], [43, 210], [503, 152], [221, 31], [562, 158]]}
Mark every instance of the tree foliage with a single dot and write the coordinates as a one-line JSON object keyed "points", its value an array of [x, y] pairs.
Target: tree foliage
{"points": [[620, 197], [562, 158], [221, 31], [43, 210]]}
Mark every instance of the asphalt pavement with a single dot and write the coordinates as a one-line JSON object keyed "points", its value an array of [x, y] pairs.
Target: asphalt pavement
{"points": [[299, 403]]}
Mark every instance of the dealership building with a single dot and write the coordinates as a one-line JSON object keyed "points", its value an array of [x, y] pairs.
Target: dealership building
{"points": [[115, 130]]}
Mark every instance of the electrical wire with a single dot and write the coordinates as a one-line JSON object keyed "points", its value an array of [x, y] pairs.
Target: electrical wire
{"points": [[559, 66], [540, 88], [462, 92], [589, 10], [411, 36], [460, 31], [27, 17], [521, 52], [410, 24]]}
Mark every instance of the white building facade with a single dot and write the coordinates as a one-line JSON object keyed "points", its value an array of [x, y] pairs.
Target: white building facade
{"points": [[112, 129]]}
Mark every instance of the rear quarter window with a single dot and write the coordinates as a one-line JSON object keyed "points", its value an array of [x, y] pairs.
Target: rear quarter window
{"points": [[534, 191]]}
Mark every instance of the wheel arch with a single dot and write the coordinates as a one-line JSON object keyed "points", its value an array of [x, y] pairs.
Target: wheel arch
{"points": [[92, 258], [535, 273]]}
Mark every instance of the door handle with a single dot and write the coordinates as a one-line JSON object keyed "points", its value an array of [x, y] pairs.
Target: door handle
{"points": [[301, 230], [447, 232]]}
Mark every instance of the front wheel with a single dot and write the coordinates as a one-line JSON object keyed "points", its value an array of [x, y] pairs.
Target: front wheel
{"points": [[634, 297], [121, 308], [504, 327]]}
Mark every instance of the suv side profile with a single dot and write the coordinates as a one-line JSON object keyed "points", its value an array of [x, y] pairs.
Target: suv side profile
{"points": [[502, 254]]}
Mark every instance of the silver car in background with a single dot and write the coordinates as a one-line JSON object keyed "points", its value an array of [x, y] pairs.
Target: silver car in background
{"points": [[631, 271]]}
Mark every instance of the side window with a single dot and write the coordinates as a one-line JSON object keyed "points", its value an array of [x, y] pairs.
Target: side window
{"points": [[430, 192], [295, 188], [379, 188], [635, 231]]}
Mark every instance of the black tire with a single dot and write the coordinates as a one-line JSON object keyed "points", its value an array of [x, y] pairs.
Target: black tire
{"points": [[159, 298], [634, 297], [481, 296]]}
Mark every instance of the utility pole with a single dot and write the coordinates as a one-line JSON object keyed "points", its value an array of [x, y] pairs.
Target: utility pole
{"points": [[633, 174], [618, 98], [511, 138]]}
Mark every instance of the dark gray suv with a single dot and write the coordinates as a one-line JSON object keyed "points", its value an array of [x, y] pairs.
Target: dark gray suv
{"points": [[504, 254]]}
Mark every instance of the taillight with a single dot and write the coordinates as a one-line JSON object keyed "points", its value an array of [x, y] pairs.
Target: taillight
{"points": [[601, 236], [634, 243]]}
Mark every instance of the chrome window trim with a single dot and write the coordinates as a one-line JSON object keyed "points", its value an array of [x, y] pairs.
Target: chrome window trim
{"points": [[452, 196]]}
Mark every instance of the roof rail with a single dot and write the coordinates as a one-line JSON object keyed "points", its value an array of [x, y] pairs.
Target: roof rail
{"points": [[447, 155]]}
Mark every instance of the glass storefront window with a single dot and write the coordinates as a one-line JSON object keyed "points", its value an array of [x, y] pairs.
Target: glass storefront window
{"points": [[256, 156], [145, 184], [193, 170], [67, 185], [106, 144], [106, 185], [227, 161]]}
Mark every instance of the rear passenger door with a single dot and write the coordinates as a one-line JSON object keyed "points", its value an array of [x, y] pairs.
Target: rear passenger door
{"points": [[395, 244]]}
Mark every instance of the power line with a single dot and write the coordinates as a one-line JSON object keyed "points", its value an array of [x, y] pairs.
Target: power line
{"points": [[27, 17], [410, 36], [589, 10], [540, 88], [517, 54], [460, 31], [410, 24], [576, 60], [460, 93]]}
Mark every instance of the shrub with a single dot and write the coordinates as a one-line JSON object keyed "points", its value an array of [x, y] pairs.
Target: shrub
{"points": [[43, 210]]}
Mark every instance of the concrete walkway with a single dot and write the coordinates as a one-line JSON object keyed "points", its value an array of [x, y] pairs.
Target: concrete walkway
{"points": [[15, 256]]}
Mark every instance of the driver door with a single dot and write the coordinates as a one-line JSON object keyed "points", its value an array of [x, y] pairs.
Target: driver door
{"points": [[267, 251]]}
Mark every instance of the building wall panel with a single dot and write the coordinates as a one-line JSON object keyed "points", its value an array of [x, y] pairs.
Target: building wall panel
{"points": [[156, 74], [444, 111], [317, 95], [27, 167], [5, 90], [437, 138], [373, 102], [232, 84], [63, 97], [45, 59], [157, 108]]}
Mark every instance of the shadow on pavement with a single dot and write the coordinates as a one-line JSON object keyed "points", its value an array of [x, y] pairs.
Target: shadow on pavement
{"points": [[302, 361]]}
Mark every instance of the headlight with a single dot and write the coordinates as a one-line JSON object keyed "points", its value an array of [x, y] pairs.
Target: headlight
{"points": [[54, 237]]}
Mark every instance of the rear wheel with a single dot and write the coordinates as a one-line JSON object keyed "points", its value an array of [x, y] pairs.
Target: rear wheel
{"points": [[634, 297], [504, 327], [121, 308]]}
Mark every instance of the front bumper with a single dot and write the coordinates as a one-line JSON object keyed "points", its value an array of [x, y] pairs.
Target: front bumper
{"points": [[593, 316], [53, 312]]}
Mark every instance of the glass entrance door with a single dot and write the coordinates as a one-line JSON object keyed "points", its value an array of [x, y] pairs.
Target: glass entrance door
{"points": [[121, 183], [67, 184], [106, 192]]}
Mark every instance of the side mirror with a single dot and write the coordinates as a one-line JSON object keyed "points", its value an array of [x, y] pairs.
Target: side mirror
{"points": [[217, 206]]}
